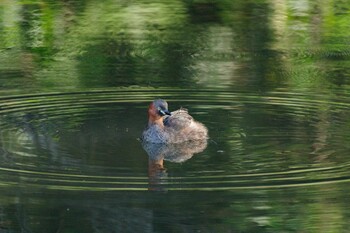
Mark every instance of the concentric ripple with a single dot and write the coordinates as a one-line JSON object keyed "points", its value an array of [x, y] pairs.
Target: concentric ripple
{"points": [[87, 141]]}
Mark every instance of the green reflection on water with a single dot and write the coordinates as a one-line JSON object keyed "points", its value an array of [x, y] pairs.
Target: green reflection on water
{"points": [[279, 71], [246, 44]]}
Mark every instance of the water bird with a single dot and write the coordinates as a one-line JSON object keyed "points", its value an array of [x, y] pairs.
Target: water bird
{"points": [[171, 127]]}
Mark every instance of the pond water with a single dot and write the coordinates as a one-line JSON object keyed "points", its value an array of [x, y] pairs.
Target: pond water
{"points": [[269, 79]]}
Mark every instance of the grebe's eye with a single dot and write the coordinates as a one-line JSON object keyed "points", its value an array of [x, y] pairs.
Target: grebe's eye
{"points": [[161, 111]]}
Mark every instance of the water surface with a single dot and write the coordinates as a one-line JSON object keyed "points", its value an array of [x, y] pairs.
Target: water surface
{"points": [[268, 78]]}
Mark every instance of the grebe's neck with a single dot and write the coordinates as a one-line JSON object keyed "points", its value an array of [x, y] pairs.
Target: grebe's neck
{"points": [[155, 120], [153, 117]]}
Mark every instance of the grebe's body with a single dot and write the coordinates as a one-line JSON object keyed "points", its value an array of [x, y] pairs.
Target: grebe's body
{"points": [[174, 127]]}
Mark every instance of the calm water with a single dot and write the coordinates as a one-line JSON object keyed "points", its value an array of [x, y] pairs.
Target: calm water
{"points": [[270, 79]]}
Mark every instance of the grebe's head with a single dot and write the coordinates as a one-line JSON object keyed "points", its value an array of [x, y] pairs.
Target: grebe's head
{"points": [[156, 111], [159, 107]]}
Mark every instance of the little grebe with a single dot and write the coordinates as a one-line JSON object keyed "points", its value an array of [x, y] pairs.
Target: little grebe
{"points": [[174, 127]]}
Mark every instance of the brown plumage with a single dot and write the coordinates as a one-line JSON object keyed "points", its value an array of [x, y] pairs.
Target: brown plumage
{"points": [[174, 127]]}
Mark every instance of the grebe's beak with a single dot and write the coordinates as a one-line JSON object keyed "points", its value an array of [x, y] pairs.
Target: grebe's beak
{"points": [[164, 112]]}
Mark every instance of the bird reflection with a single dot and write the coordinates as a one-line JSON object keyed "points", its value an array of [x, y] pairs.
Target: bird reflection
{"points": [[176, 153]]}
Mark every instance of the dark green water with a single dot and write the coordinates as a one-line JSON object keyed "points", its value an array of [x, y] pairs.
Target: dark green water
{"points": [[270, 79]]}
